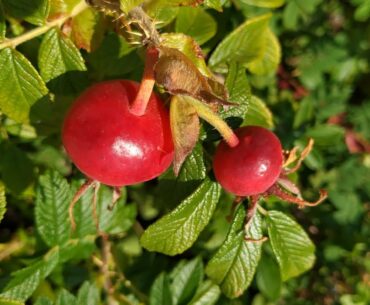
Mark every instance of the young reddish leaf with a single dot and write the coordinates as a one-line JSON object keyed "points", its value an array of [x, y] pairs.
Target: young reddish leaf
{"points": [[185, 129]]}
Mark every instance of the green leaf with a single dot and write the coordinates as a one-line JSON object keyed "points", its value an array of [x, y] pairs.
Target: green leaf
{"points": [[21, 85], [186, 278], [43, 301], [158, 4], [196, 23], [4, 301], [234, 264], [258, 114], [349, 207], [2, 201], [215, 4], [268, 278], [194, 167], [2, 22], [66, 298], [25, 281], [362, 12], [265, 3], [293, 249], [172, 190], [244, 45], [128, 5], [240, 93], [326, 135], [14, 163], [81, 248], [160, 292], [111, 58], [114, 220], [296, 10], [87, 29], [61, 7], [35, 11], [207, 294], [189, 47], [88, 294], [85, 225], [53, 198], [270, 60], [61, 64], [177, 231]]}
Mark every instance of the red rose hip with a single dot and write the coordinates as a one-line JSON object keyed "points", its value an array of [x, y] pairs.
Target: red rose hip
{"points": [[109, 143], [251, 167]]}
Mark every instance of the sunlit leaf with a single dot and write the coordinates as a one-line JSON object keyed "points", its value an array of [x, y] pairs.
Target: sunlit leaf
{"points": [[270, 60], [186, 277], [265, 3], [160, 292], [87, 29], [52, 201], [25, 281], [21, 85], [234, 264], [207, 294], [61, 64], [244, 45], [293, 249], [196, 23], [258, 114], [178, 230]]}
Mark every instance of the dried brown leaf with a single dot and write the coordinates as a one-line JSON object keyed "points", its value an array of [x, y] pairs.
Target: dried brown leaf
{"points": [[179, 76]]}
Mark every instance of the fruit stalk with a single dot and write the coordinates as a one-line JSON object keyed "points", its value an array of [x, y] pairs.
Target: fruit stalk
{"points": [[212, 118], [140, 103]]}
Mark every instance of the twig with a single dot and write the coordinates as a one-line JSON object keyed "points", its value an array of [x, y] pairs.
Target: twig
{"points": [[13, 42], [106, 251]]}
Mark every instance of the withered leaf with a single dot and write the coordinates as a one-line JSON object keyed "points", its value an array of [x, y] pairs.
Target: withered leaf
{"points": [[185, 129], [179, 76]]}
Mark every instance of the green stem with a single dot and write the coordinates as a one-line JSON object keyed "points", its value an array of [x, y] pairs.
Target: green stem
{"points": [[13, 42], [212, 118], [262, 210]]}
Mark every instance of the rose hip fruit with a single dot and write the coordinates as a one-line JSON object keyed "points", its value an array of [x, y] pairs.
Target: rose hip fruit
{"points": [[251, 167], [109, 143]]}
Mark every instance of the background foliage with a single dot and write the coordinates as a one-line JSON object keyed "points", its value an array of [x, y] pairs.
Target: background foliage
{"points": [[308, 70]]}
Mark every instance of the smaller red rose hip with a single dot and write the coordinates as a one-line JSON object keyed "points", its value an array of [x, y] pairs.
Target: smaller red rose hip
{"points": [[252, 166]]}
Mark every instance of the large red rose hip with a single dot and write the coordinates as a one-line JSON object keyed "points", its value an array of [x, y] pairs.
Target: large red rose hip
{"points": [[251, 167], [110, 144]]}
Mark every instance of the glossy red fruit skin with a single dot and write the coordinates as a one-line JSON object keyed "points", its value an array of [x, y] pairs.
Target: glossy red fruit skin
{"points": [[110, 144], [251, 167]]}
